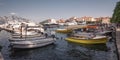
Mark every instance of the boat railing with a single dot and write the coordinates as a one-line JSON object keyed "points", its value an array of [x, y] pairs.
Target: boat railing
{"points": [[84, 35]]}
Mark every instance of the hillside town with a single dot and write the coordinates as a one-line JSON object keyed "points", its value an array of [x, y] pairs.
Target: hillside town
{"points": [[76, 20], [8, 21]]}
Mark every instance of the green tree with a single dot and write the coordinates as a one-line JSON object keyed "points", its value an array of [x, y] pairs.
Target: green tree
{"points": [[116, 15]]}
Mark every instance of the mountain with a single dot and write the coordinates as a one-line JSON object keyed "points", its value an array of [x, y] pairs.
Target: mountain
{"points": [[6, 19]]}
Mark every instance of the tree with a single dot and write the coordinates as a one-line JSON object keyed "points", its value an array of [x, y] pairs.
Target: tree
{"points": [[116, 15]]}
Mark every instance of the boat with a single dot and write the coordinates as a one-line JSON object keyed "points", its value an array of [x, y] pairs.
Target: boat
{"points": [[88, 35], [93, 28], [87, 38], [83, 40], [33, 43], [71, 23], [104, 32], [63, 31], [30, 39]]}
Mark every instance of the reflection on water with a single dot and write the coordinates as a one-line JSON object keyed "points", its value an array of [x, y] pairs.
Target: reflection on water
{"points": [[97, 47], [60, 50], [78, 54], [29, 53]]}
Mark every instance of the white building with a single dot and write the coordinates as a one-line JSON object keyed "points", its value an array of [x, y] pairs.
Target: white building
{"points": [[51, 21]]}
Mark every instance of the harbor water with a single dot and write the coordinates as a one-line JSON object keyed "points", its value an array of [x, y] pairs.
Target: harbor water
{"points": [[60, 50]]}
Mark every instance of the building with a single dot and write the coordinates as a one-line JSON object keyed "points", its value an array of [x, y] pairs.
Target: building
{"points": [[87, 19], [103, 19], [50, 21], [61, 22]]}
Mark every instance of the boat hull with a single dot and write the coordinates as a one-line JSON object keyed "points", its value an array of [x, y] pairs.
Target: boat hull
{"points": [[25, 39], [64, 31], [25, 46], [31, 44], [89, 41]]}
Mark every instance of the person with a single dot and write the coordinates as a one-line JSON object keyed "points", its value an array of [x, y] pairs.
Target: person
{"points": [[90, 36], [53, 34], [41, 33], [46, 35]]}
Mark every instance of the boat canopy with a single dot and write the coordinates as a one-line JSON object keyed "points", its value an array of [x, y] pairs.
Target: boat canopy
{"points": [[73, 27], [90, 26]]}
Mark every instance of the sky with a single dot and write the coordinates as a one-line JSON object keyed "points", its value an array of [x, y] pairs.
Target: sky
{"points": [[39, 10]]}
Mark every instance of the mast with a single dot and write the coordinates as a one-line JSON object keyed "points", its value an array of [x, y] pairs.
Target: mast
{"points": [[26, 26], [21, 30]]}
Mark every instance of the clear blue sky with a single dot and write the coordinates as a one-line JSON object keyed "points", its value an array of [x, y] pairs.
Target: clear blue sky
{"points": [[39, 10]]}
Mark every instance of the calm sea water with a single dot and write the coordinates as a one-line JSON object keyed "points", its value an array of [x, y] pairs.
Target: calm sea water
{"points": [[60, 50]]}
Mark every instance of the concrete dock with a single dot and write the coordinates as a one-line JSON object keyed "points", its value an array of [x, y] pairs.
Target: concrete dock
{"points": [[1, 57], [118, 41]]}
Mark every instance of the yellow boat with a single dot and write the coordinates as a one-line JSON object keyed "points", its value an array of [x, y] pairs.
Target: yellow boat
{"points": [[95, 40], [63, 31]]}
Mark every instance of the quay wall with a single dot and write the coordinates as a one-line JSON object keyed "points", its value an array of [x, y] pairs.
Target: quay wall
{"points": [[118, 41]]}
